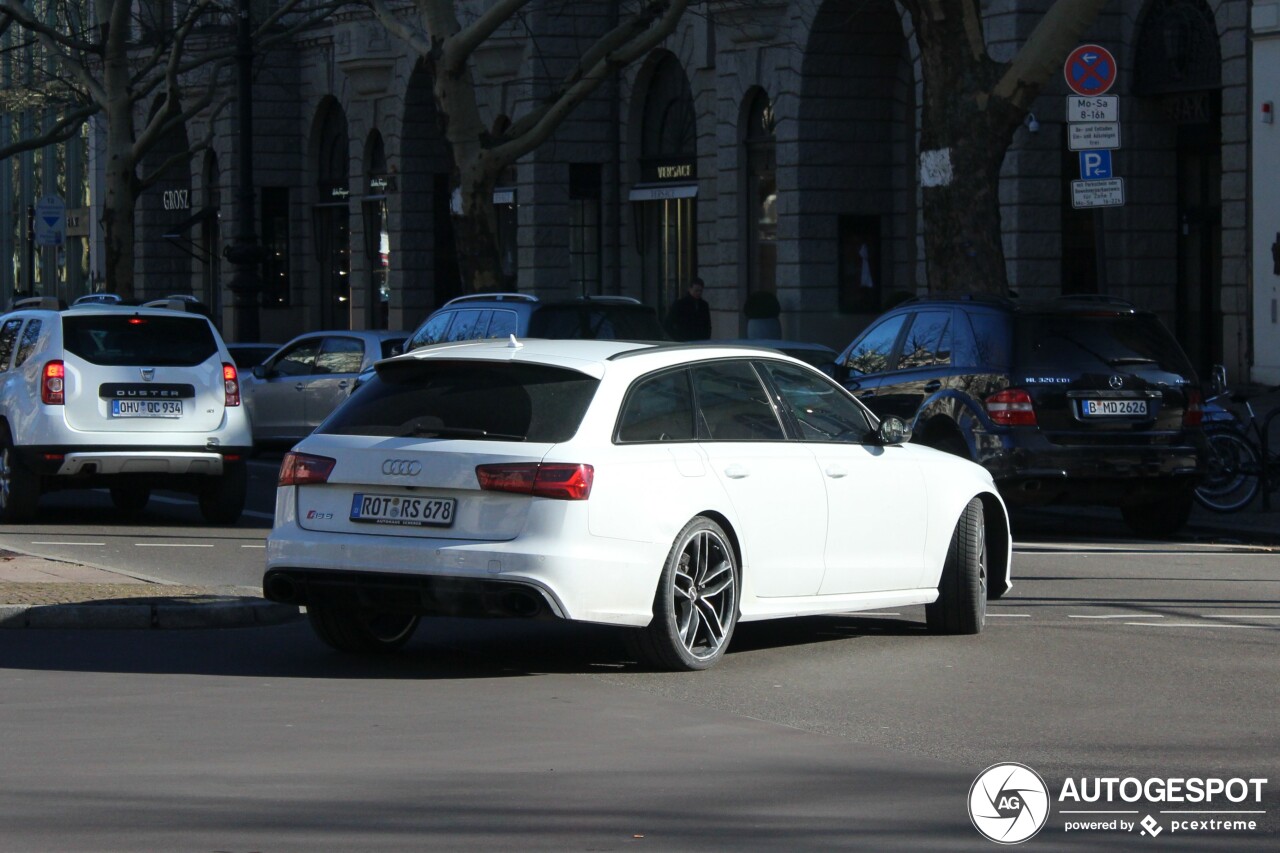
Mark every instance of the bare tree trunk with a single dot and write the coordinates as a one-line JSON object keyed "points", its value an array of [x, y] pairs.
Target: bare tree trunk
{"points": [[972, 107], [121, 191]]}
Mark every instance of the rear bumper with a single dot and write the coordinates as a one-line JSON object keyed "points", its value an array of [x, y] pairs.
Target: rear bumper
{"points": [[79, 461], [425, 595], [591, 579], [1029, 470]]}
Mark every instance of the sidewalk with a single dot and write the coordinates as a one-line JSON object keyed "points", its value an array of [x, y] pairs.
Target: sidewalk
{"points": [[40, 593]]}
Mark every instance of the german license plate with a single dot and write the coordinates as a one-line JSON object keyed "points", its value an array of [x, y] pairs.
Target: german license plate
{"points": [[403, 511], [1113, 408], [146, 408]]}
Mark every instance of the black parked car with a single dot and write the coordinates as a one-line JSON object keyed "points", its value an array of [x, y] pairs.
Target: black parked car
{"points": [[1085, 401]]}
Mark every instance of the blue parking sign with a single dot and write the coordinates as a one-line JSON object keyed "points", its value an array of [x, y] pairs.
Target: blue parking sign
{"points": [[1095, 165]]}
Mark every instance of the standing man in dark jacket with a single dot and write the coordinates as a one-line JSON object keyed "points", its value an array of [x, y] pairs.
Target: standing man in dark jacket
{"points": [[690, 316]]}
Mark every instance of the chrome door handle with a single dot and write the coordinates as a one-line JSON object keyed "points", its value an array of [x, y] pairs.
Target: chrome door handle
{"points": [[933, 385], [835, 472], [300, 386], [736, 472], [342, 384]]}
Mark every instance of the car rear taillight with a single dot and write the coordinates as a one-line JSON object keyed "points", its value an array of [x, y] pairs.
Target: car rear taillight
{"points": [[52, 384], [1011, 407], [563, 481], [230, 385], [303, 469], [1193, 414]]}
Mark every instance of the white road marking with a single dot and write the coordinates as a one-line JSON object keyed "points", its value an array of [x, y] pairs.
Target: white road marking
{"points": [[1011, 615], [35, 542], [170, 545], [1241, 616], [1117, 616], [261, 546], [1190, 625]]}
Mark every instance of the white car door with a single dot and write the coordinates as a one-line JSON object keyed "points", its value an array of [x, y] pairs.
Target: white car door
{"points": [[876, 495], [774, 484]]}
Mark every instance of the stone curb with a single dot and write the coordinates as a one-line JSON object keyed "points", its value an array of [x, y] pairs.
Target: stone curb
{"points": [[228, 612]]}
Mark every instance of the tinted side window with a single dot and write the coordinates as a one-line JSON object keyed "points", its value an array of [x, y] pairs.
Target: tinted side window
{"points": [[825, 412], [873, 352], [733, 405], [658, 408], [299, 359], [340, 355], [8, 335], [392, 346], [928, 341], [139, 339], [991, 344], [432, 332], [473, 400], [463, 327], [503, 324], [30, 337]]}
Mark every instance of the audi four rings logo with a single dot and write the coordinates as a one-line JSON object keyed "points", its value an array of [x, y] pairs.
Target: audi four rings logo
{"points": [[1115, 381], [1009, 803], [401, 468]]}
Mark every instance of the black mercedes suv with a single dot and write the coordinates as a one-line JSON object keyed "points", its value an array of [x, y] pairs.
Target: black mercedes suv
{"points": [[1078, 400]]}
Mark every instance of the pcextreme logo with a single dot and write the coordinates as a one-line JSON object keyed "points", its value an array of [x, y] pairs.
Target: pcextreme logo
{"points": [[1009, 803]]}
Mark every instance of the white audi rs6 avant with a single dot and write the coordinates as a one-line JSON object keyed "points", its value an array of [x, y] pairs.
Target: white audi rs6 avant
{"points": [[671, 489]]}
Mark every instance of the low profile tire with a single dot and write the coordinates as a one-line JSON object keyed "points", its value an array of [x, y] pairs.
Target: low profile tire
{"points": [[696, 607], [961, 607], [222, 498], [19, 485], [1160, 518], [362, 631], [130, 500]]}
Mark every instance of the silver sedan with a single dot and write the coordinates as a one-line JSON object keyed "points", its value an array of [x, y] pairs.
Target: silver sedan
{"points": [[296, 388]]}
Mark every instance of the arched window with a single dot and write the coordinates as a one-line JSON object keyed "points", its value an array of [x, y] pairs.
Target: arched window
{"points": [[377, 240], [666, 209]]}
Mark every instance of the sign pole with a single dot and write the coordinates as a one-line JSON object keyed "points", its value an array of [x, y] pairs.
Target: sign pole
{"points": [[1100, 250]]}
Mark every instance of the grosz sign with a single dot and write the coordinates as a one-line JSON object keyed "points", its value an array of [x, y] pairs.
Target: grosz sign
{"points": [[177, 199]]}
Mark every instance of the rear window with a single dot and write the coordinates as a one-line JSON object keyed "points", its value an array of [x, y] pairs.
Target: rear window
{"points": [[1095, 342], [129, 339], [467, 399], [620, 322]]}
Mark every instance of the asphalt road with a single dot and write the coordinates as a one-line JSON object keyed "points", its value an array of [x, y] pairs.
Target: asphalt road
{"points": [[1110, 658]]}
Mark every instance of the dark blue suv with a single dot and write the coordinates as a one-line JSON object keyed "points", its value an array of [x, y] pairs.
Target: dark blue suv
{"points": [[497, 315], [1085, 401]]}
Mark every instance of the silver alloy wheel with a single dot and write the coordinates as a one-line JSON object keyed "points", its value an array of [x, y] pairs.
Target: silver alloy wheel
{"points": [[705, 593]]}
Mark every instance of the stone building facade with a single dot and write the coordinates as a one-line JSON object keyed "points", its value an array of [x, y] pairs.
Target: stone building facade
{"points": [[766, 145]]}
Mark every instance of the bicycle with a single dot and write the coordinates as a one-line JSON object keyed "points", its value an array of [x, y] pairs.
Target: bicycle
{"points": [[1239, 461]]}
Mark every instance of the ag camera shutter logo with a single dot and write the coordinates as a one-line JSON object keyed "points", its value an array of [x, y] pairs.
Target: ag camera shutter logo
{"points": [[1008, 803]]}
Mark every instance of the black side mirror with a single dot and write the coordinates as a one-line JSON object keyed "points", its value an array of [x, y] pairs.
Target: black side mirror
{"points": [[893, 430], [259, 371]]}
